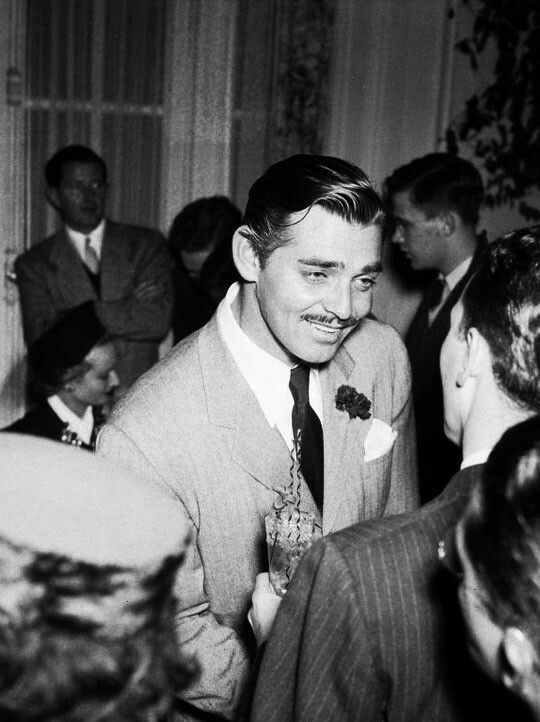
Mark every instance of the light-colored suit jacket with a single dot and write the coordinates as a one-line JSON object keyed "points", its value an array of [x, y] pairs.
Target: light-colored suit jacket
{"points": [[52, 279], [193, 424]]}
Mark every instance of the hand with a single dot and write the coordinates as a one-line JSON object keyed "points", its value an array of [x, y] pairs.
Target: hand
{"points": [[264, 606], [148, 290]]}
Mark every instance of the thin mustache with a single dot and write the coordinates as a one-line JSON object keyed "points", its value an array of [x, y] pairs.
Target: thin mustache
{"points": [[330, 321]]}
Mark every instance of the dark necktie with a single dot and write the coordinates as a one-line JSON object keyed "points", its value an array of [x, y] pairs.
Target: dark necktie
{"points": [[436, 292], [307, 427]]}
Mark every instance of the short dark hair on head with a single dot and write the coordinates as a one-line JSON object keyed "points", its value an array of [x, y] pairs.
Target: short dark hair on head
{"points": [[439, 182], [502, 301], [502, 530], [300, 182], [70, 154]]}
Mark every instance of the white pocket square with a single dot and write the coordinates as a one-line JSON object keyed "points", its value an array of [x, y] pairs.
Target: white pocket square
{"points": [[379, 440]]}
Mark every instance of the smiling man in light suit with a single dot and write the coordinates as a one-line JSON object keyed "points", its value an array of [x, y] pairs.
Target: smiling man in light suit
{"points": [[214, 421]]}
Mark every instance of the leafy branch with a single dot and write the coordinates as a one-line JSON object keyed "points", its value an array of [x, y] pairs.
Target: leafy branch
{"points": [[502, 123]]}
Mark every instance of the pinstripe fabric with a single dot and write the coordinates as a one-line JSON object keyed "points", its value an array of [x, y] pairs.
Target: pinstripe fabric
{"points": [[369, 629]]}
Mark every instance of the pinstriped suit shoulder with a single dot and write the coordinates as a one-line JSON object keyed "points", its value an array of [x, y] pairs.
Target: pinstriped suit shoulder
{"points": [[369, 629]]}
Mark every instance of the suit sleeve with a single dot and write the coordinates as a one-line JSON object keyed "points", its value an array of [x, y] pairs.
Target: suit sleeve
{"points": [[37, 305], [135, 319], [222, 657], [403, 493], [319, 664]]}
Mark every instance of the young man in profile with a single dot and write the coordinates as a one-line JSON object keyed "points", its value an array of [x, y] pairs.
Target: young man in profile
{"points": [[434, 203]]}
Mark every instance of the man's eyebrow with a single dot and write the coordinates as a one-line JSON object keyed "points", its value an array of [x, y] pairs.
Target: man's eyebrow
{"points": [[319, 263], [373, 268]]}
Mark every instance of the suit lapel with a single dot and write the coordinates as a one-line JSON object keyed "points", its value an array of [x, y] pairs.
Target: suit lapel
{"points": [[256, 448], [71, 278], [343, 437]]}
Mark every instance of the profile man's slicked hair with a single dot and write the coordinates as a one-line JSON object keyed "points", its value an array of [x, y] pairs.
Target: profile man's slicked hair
{"points": [[439, 182], [300, 182], [502, 301], [70, 154]]}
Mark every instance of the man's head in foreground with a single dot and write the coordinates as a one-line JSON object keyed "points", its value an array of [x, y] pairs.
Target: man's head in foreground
{"points": [[309, 250], [499, 548], [88, 561], [491, 357]]}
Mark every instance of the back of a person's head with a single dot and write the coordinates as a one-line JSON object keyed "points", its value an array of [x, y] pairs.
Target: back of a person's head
{"points": [[501, 530], [70, 154], [202, 223], [295, 185], [88, 562], [439, 182], [502, 301]]}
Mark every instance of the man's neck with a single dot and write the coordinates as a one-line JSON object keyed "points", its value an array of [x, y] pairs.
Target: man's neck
{"points": [[462, 246], [484, 428], [85, 231]]}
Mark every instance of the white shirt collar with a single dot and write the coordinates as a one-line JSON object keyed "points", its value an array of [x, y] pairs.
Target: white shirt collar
{"points": [[82, 427], [477, 457], [267, 376], [96, 239], [455, 276]]}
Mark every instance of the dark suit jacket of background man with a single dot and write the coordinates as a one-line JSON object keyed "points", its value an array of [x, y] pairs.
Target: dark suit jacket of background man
{"points": [[370, 629], [52, 279], [438, 458]]}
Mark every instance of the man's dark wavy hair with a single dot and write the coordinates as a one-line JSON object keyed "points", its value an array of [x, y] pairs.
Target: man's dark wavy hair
{"points": [[70, 154], [439, 182], [502, 530], [298, 183], [81, 642], [502, 301]]}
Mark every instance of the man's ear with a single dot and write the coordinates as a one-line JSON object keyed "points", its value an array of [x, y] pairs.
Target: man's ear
{"points": [[516, 658], [474, 356], [447, 223], [245, 258], [51, 194]]}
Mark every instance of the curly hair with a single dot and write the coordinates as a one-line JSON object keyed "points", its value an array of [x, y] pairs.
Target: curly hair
{"points": [[85, 642], [501, 530], [502, 301], [298, 183]]}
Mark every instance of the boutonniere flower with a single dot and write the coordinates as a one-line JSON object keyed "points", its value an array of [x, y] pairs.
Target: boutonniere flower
{"points": [[348, 399]]}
